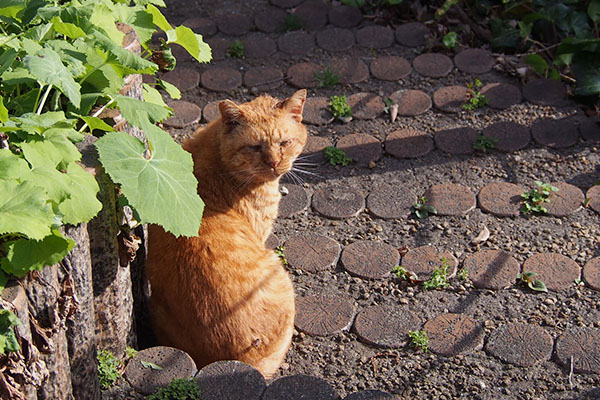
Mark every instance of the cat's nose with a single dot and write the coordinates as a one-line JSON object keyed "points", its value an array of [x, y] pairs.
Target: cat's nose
{"points": [[273, 163]]}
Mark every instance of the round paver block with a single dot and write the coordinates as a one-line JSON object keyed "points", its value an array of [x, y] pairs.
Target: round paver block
{"points": [[474, 61], [492, 269], [375, 37], [295, 201], [509, 135], [350, 70], [175, 364], [263, 78], [567, 200], [311, 252], [457, 140], [450, 334], [450, 98], [211, 111], [298, 387], [411, 102], [593, 197], [218, 47], [369, 260], [366, 105], [591, 273], [335, 39], [390, 68], [233, 380], [501, 95], [433, 65], [313, 149], [184, 114], [286, 3], [344, 16], [182, 77], [221, 79], [385, 326], [450, 199], [338, 202], [583, 344], [371, 395], [259, 45], [590, 129], [408, 143], [547, 92], [521, 344], [555, 133], [502, 199], [204, 26], [423, 260], [555, 270], [361, 148], [412, 34], [324, 314], [234, 24], [313, 14], [270, 19], [302, 75], [391, 201], [316, 111], [272, 242], [297, 43]]}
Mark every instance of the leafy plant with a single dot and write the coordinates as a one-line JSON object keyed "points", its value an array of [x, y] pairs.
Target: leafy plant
{"points": [[400, 272], [336, 156], [178, 389], [8, 339], [533, 284], [236, 49], [327, 78], [130, 352], [419, 339], [475, 98], [291, 22], [279, 250], [463, 274], [446, 5], [439, 277], [484, 143], [108, 369], [540, 65], [339, 107], [533, 199], [388, 103], [450, 40], [422, 209]]}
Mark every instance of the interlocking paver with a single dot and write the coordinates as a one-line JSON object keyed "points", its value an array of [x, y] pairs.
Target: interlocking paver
{"points": [[474, 61], [424, 260], [590, 129], [286, 3], [312, 14], [375, 37], [344, 16], [450, 199], [582, 346], [492, 269], [263, 78], [556, 133], [501, 95], [204, 26], [567, 200], [296, 43], [412, 34], [218, 47], [433, 65], [293, 202], [509, 136], [312, 252], [390, 68], [350, 70], [361, 148], [183, 77], [371, 395], [259, 45], [593, 198], [316, 111], [335, 39], [297, 387], [591, 273], [558, 272], [521, 344], [390, 201], [270, 19], [502, 199], [302, 75], [322, 315], [386, 325], [338, 202], [546, 92], [232, 380], [450, 98], [369, 260], [185, 113], [234, 24], [456, 140], [366, 105], [221, 79], [211, 112], [408, 143], [272, 241], [313, 150], [450, 334], [411, 102]]}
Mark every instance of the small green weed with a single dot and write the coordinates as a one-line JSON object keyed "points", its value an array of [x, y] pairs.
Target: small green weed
{"points": [[178, 389], [400, 272], [388, 103], [279, 250], [463, 274], [450, 40], [533, 199], [484, 143], [236, 49], [290, 23], [475, 98], [8, 339], [439, 277], [419, 339], [541, 67], [422, 210], [327, 78], [336, 156], [130, 352], [533, 284], [108, 369], [339, 107]]}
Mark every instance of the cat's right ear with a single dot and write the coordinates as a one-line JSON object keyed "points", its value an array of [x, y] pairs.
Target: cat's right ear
{"points": [[230, 112]]}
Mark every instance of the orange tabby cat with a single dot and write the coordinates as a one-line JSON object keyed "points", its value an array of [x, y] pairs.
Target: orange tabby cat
{"points": [[223, 295]]}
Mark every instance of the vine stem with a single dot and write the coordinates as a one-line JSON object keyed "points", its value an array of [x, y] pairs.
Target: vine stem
{"points": [[41, 105], [85, 125]]}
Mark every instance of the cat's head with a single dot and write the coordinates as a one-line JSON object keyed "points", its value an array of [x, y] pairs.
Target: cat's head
{"points": [[261, 139]]}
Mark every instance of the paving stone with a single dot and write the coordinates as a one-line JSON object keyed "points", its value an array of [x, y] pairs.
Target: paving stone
{"points": [[294, 202], [590, 129], [344, 16], [566, 201], [375, 37], [450, 98], [234, 24], [302, 75], [371, 395], [272, 241], [221, 79], [501, 95], [263, 78], [338, 202], [175, 364], [219, 47], [423, 260], [181, 54], [391, 201], [411, 102], [412, 34], [203, 26], [492, 269], [323, 314], [184, 114], [591, 273], [593, 196], [583, 344], [385, 325], [457, 140], [555, 270], [390, 68], [408, 143], [298, 387], [521, 344], [313, 150], [211, 111], [286, 3], [296, 43], [555, 133], [232, 380], [259, 45], [450, 199], [503, 199], [361, 148], [316, 111], [182, 77], [350, 70], [474, 61], [547, 92], [313, 14], [450, 334], [433, 65], [366, 105], [270, 20], [335, 39], [509, 135], [311, 252], [369, 260]]}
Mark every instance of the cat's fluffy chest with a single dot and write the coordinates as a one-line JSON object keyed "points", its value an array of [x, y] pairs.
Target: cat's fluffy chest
{"points": [[260, 207]]}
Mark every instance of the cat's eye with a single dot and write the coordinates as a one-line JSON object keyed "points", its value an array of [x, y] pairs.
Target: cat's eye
{"points": [[255, 148], [285, 143]]}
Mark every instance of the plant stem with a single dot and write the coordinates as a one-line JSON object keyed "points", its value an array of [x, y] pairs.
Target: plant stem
{"points": [[97, 113], [41, 105]]}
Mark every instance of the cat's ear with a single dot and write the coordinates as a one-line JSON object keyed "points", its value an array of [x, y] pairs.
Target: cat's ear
{"points": [[295, 104], [230, 112]]}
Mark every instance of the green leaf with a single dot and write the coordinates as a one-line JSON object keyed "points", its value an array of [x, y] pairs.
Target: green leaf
{"points": [[81, 205], [66, 28], [151, 95], [6, 59], [12, 8], [142, 22], [96, 123], [587, 73], [103, 18], [3, 280], [421, 214], [538, 63], [594, 11], [162, 188], [3, 111], [137, 112], [190, 41], [159, 19], [450, 39], [26, 255], [148, 364], [12, 166], [171, 89], [131, 62], [24, 210], [537, 285], [8, 340]]}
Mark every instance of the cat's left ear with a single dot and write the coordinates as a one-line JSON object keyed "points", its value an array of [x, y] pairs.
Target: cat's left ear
{"points": [[295, 104]]}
